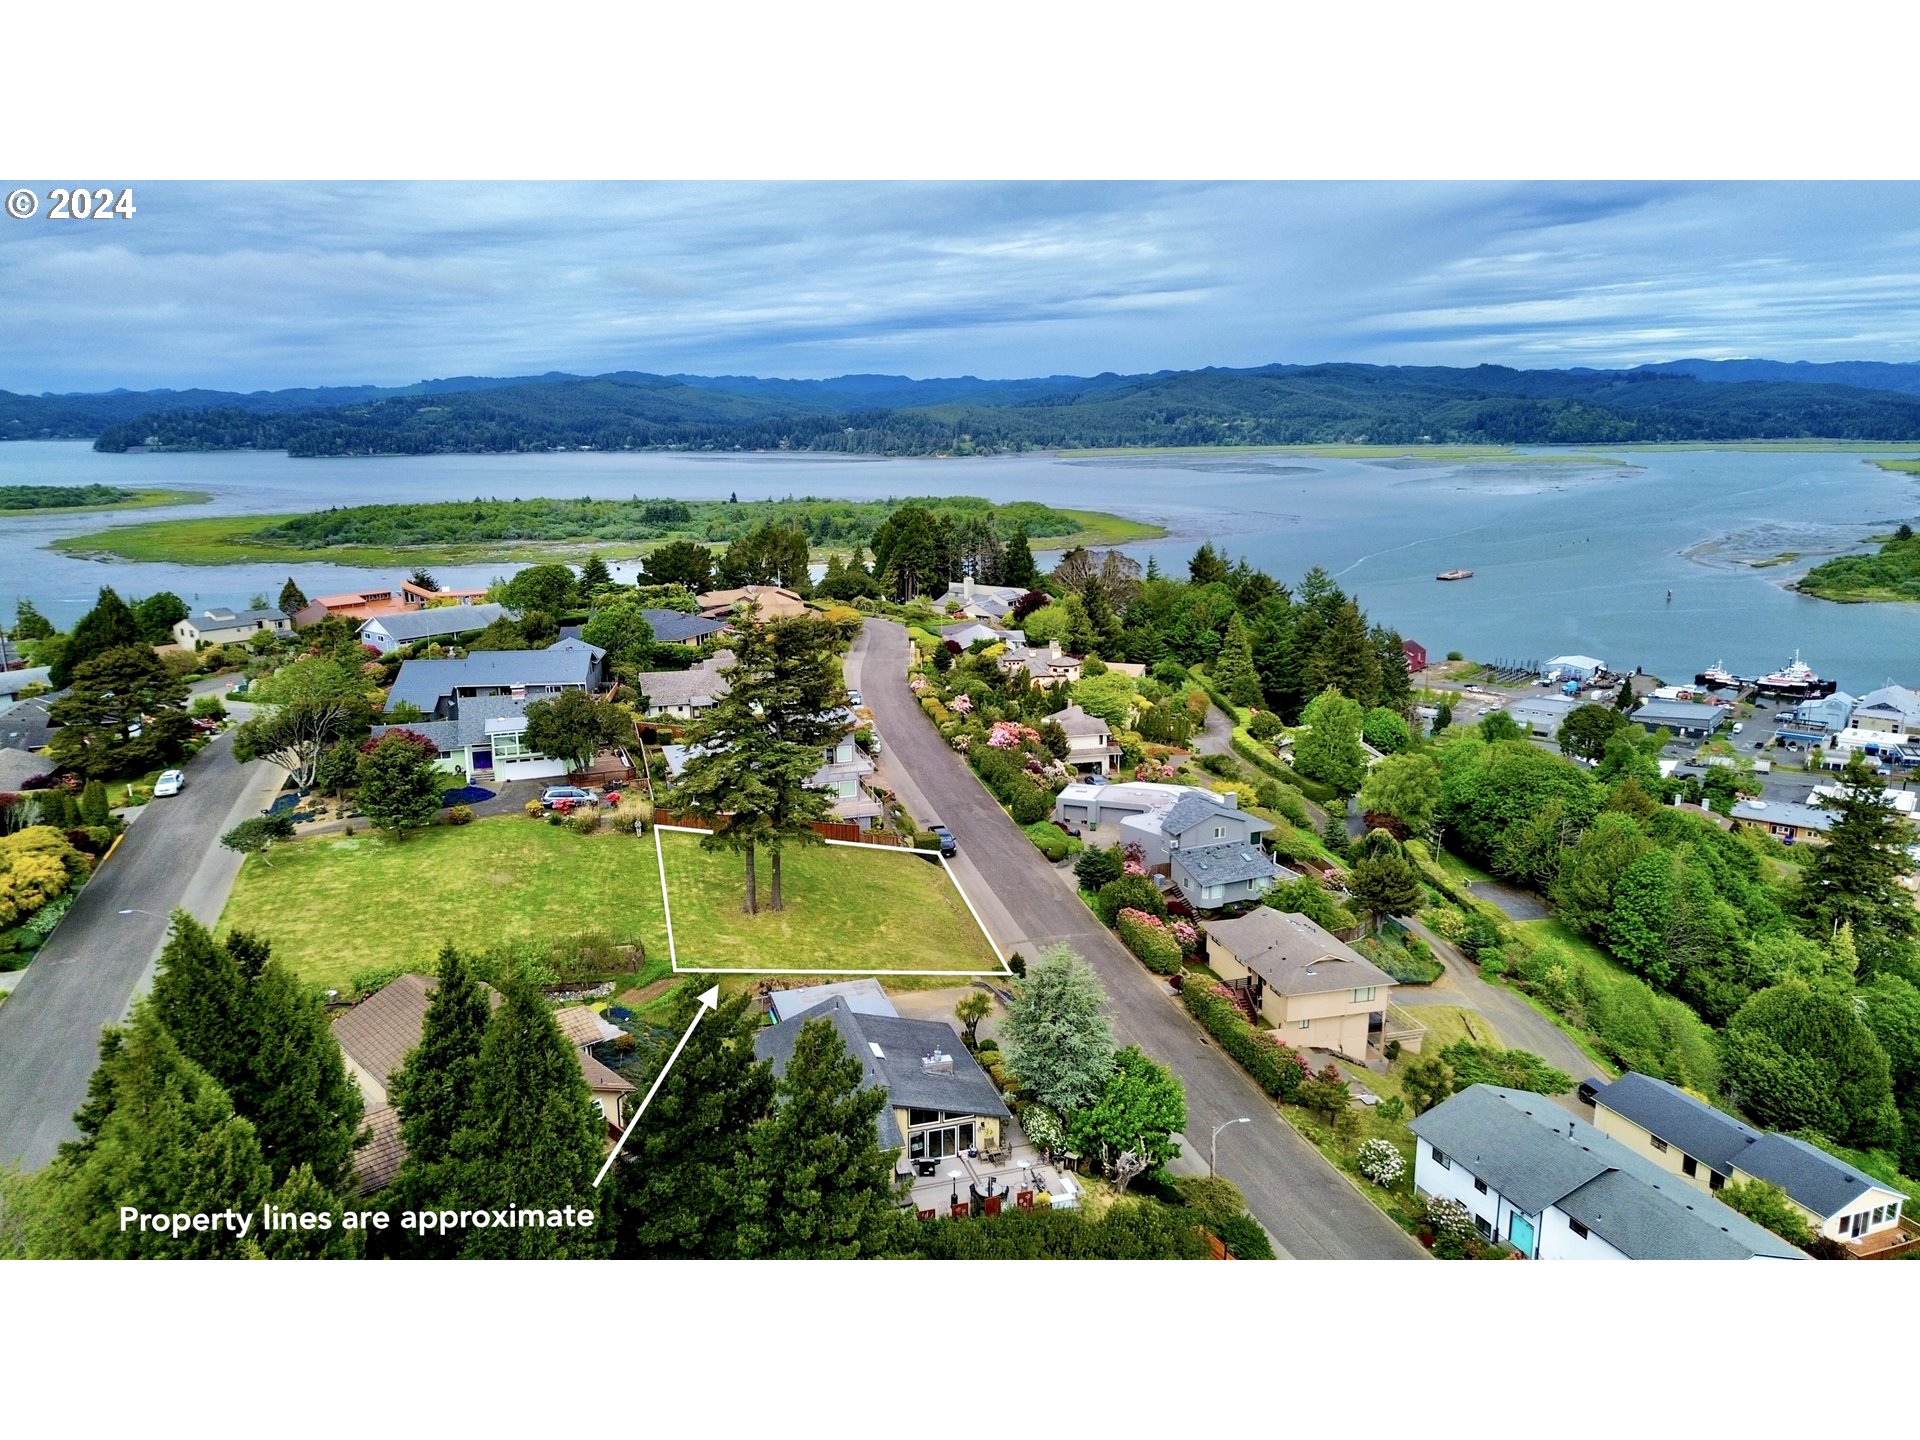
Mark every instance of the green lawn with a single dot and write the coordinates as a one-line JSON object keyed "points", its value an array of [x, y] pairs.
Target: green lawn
{"points": [[335, 905], [846, 909]]}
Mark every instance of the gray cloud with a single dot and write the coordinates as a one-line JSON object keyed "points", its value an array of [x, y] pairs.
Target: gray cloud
{"points": [[257, 286]]}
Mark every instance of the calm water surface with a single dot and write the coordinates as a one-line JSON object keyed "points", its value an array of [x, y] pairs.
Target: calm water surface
{"points": [[1567, 557]]}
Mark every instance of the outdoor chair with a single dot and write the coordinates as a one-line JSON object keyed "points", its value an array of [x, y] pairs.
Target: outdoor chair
{"points": [[993, 1204], [1024, 1199]]}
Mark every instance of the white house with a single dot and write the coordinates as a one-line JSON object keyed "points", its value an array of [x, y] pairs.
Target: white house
{"points": [[1892, 708], [683, 694], [220, 626], [1557, 1188], [1090, 743], [387, 633]]}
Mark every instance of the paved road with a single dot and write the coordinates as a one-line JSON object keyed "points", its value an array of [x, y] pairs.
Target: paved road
{"points": [[86, 975], [1311, 1209]]}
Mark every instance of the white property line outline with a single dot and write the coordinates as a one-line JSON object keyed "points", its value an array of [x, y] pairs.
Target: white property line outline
{"points": [[673, 955]]}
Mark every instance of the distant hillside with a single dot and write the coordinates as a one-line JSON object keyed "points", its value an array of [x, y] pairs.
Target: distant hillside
{"points": [[896, 415], [1903, 379]]}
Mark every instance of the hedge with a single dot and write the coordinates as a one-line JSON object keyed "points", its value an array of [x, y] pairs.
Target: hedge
{"points": [[1226, 706], [1250, 750], [1276, 1068], [1150, 941]]}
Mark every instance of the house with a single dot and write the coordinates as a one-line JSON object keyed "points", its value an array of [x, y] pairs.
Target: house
{"points": [[27, 677], [1090, 743], [419, 597], [972, 632], [375, 1036], [1686, 1136], [1557, 1188], [1416, 654], [438, 687], [674, 627], [683, 694], [27, 724], [940, 1103], [843, 771], [220, 626], [349, 605], [1813, 719], [1573, 667], [1693, 720], [1204, 844], [767, 602], [17, 767], [1784, 819], [863, 997], [1541, 716], [1045, 668], [387, 633], [1904, 803], [980, 602], [1892, 708], [1314, 990]]}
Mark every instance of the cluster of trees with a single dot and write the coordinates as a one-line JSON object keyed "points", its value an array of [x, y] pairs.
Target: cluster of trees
{"points": [[1890, 573], [922, 547], [61, 497], [111, 624]]}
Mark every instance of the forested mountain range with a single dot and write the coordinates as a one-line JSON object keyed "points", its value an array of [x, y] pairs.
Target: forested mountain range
{"points": [[894, 415]]}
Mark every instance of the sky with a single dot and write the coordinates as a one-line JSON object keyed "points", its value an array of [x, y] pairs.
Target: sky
{"points": [[248, 286]]}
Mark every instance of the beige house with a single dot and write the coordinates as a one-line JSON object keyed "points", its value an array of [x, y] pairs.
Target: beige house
{"points": [[1045, 668], [226, 627], [376, 1034], [1314, 990], [769, 602]]}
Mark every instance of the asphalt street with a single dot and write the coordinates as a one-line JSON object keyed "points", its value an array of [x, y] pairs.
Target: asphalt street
{"points": [[1312, 1211], [103, 952]]}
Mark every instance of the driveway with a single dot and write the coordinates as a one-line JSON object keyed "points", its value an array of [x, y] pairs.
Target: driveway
{"points": [[1311, 1209], [103, 953], [1513, 902]]}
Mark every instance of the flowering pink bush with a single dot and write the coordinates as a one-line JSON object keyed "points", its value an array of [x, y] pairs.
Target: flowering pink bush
{"points": [[963, 704], [1187, 935], [1012, 735], [917, 684], [1132, 867]]}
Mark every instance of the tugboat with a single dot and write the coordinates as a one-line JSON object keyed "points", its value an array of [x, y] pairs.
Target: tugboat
{"points": [[1717, 677], [1795, 678], [1454, 575]]}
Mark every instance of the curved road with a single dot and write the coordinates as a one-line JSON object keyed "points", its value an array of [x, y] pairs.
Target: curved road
{"points": [[102, 954], [1312, 1211]]}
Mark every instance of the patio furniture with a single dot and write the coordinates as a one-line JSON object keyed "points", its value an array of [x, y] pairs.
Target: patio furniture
{"points": [[1024, 1199], [929, 1214], [993, 1204]]}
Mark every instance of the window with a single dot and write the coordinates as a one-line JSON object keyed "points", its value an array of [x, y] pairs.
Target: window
{"points": [[922, 1117], [1483, 1225], [1211, 892], [1480, 1185], [1577, 1228], [1362, 994], [1219, 832], [1440, 1160], [1715, 1180], [1689, 1165], [1659, 1144], [1306, 1024]]}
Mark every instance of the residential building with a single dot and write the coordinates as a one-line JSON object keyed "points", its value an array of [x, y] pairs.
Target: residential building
{"points": [[1685, 1136], [17, 767], [974, 632], [675, 627], [1045, 668], [375, 1036], [683, 694], [487, 737], [940, 1103], [1416, 654], [349, 605], [438, 687], [1315, 991], [419, 597], [992, 603], [1692, 720], [1904, 803], [27, 677], [387, 633], [1206, 846], [27, 724], [863, 997], [1556, 1188], [1892, 708], [1785, 820], [844, 771], [766, 602], [220, 626], [1541, 716], [1090, 742]]}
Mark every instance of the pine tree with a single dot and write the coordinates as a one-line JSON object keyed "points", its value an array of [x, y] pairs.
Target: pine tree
{"points": [[816, 1184], [1208, 566], [1854, 879], [109, 625], [29, 623], [157, 1134], [1016, 562], [682, 1175], [93, 804], [292, 597], [302, 1194], [200, 996], [399, 789], [594, 573], [431, 1087], [530, 1135], [1233, 672]]}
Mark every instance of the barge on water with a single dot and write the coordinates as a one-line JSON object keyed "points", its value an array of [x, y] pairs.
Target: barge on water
{"points": [[1794, 680], [1454, 575]]}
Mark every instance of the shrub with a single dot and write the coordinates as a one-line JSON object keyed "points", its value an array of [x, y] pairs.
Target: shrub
{"points": [[1017, 963], [1129, 892], [1274, 1067], [1265, 725], [1515, 1069], [534, 809], [1043, 1127], [1381, 1162], [1221, 765], [377, 977], [460, 815], [1392, 1051], [1098, 866], [985, 1045], [1455, 655], [1148, 938], [1244, 1238], [1449, 1220], [1031, 804]]}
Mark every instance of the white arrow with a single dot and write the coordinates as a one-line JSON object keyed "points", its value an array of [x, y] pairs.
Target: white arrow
{"points": [[708, 1001]]}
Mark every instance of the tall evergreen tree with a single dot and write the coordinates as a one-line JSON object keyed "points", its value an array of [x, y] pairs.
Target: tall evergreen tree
{"points": [[1233, 672], [683, 1173], [200, 996], [29, 623], [109, 625], [302, 1194], [1345, 657], [399, 789], [1854, 878], [594, 573], [292, 597], [1208, 566], [530, 1135], [1016, 562], [125, 712], [817, 1185]]}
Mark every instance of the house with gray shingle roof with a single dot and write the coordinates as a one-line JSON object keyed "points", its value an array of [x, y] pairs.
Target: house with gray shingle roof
{"points": [[683, 694], [940, 1103], [387, 633], [223, 626], [475, 708], [1556, 1188], [1707, 1147], [673, 627]]}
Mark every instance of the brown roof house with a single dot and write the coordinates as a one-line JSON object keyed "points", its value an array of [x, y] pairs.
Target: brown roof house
{"points": [[1315, 991], [376, 1035], [769, 602]]}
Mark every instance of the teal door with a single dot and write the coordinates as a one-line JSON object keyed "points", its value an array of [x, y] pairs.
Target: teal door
{"points": [[1520, 1234]]}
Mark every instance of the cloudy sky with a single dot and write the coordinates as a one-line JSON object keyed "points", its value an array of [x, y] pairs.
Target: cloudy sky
{"points": [[249, 286]]}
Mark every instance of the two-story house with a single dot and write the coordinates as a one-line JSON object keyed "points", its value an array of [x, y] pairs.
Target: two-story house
{"points": [[1707, 1147], [684, 694], [1205, 844], [1090, 743], [981, 602], [1556, 1188], [843, 772], [221, 626], [1045, 668], [1314, 990]]}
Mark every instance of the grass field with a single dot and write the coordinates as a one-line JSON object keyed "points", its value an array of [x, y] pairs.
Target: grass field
{"points": [[1445, 453], [234, 539], [1902, 467], [847, 910], [138, 500], [335, 905]]}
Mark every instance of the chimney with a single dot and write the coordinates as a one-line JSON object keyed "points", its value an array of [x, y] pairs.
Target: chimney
{"points": [[1230, 799], [938, 1063], [1053, 649], [966, 587]]}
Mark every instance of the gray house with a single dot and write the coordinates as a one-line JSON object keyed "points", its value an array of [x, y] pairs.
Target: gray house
{"points": [[1687, 718], [387, 633], [438, 687], [1202, 842]]}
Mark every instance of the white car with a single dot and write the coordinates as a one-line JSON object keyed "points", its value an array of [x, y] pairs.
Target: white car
{"points": [[1738, 727], [169, 783]]}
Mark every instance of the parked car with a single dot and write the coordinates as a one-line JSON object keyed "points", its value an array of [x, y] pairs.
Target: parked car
{"points": [[1738, 727], [557, 795], [853, 698], [948, 845], [873, 743], [170, 783]]}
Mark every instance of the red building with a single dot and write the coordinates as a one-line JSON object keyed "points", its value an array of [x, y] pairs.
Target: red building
{"points": [[1416, 656]]}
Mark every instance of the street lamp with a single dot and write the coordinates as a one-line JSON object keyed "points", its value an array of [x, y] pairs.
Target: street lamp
{"points": [[1213, 1146], [954, 1175]]}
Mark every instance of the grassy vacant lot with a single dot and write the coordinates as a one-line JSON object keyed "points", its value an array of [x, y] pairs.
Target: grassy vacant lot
{"points": [[335, 905], [846, 909]]}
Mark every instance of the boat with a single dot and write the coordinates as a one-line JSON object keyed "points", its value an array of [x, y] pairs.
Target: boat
{"points": [[1454, 575], [1717, 677], [1795, 678]]}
